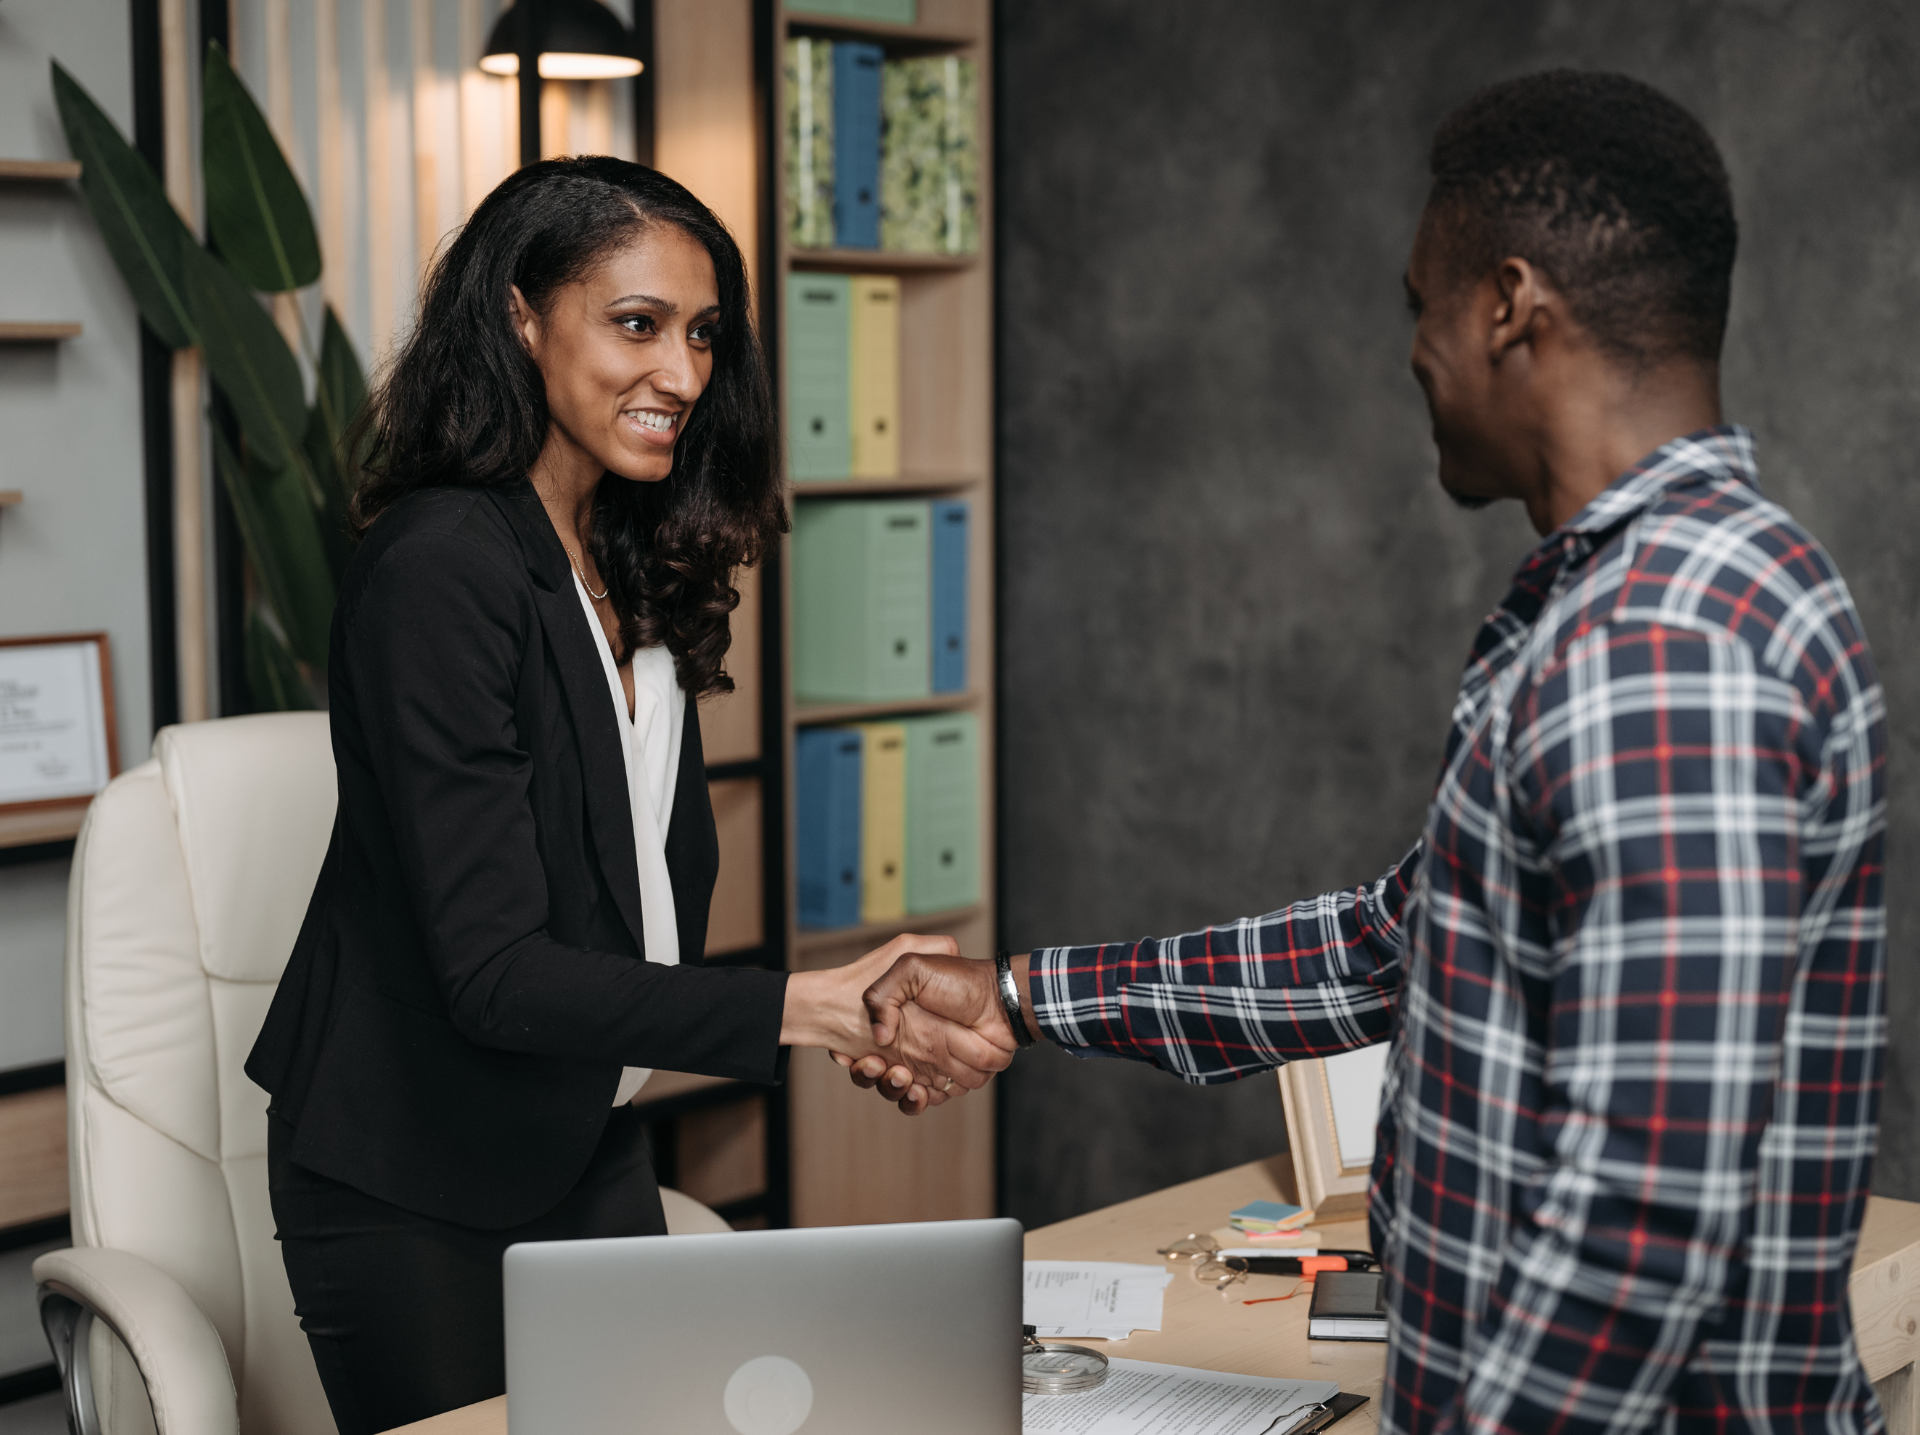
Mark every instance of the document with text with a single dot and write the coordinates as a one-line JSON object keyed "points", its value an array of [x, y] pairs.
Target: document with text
{"points": [[1093, 1300], [1141, 1398]]}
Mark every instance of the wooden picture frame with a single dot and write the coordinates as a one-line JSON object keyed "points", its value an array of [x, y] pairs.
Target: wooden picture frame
{"points": [[58, 740], [1324, 1100]]}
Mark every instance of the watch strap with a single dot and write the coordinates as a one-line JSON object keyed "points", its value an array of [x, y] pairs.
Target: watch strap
{"points": [[1010, 999]]}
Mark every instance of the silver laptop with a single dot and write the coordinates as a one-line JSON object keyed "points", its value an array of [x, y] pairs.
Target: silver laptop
{"points": [[843, 1330]]}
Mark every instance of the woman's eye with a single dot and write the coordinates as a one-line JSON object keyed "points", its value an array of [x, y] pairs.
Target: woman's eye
{"points": [[638, 323], [704, 333]]}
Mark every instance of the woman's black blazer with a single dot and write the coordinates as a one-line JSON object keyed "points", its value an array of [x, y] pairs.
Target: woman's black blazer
{"points": [[470, 977]]}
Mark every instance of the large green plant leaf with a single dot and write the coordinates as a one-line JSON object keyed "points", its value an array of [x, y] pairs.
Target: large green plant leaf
{"points": [[273, 676], [340, 394], [248, 360], [281, 534], [142, 230], [324, 457], [256, 214]]}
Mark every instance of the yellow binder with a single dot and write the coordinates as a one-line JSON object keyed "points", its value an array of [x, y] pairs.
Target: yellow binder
{"points": [[874, 364], [883, 822]]}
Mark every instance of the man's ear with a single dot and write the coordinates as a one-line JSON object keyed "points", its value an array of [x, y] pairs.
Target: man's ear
{"points": [[1523, 307], [526, 322]]}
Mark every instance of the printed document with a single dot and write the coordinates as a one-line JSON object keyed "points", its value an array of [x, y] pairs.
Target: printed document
{"points": [[1097, 1300], [1141, 1398]]}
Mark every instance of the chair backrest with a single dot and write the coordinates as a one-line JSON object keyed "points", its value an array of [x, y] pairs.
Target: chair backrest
{"points": [[190, 880]]}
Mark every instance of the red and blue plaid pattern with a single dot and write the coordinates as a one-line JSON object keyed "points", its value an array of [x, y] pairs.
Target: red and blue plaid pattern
{"points": [[1632, 975]]}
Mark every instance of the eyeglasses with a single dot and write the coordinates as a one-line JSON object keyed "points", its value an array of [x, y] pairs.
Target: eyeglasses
{"points": [[1201, 1253]]}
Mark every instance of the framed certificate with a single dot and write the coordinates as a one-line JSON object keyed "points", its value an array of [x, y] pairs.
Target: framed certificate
{"points": [[1331, 1108], [57, 746]]}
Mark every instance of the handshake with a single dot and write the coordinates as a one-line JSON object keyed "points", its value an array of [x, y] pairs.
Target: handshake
{"points": [[913, 1019]]}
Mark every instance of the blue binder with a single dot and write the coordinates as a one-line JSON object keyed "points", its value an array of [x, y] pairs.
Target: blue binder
{"points": [[856, 145], [950, 521], [827, 825]]}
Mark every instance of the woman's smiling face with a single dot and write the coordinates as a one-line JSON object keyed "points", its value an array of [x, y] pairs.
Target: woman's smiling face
{"points": [[626, 350]]}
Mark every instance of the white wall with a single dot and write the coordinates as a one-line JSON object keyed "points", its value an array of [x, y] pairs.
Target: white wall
{"points": [[72, 556]]}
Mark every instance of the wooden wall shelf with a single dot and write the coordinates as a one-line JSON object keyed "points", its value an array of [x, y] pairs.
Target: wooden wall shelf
{"points": [[16, 332], [51, 824], [813, 714], [39, 171], [905, 486], [900, 39], [878, 261], [871, 934], [10, 496]]}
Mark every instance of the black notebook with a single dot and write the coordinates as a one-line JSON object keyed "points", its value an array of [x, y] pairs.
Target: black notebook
{"points": [[1348, 1305]]}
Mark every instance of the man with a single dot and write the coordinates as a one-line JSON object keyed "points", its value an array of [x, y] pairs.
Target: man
{"points": [[1632, 970]]}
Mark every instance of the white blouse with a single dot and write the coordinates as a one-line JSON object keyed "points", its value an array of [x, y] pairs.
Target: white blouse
{"points": [[650, 745]]}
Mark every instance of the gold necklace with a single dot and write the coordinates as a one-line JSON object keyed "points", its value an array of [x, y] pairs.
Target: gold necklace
{"points": [[597, 597]]}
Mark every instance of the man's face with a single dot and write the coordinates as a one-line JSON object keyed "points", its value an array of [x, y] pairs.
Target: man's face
{"points": [[1455, 363]]}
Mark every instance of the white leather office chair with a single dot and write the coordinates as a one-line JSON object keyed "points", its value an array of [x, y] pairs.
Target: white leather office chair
{"points": [[190, 878]]}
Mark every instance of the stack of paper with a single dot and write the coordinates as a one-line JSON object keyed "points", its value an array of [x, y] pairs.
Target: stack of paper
{"points": [[1099, 1300], [1265, 1218], [1141, 1398]]}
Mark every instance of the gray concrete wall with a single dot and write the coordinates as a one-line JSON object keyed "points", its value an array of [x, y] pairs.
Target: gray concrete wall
{"points": [[73, 554], [1235, 604]]}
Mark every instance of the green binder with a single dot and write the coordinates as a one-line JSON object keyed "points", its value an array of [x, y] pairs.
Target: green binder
{"points": [[943, 812], [819, 402], [808, 92], [862, 600], [930, 160], [898, 12]]}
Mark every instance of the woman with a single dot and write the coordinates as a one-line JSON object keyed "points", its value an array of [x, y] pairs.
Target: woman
{"points": [[568, 459]]}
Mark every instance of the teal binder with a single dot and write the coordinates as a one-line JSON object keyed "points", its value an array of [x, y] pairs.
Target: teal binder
{"points": [[862, 600], [819, 402], [943, 812]]}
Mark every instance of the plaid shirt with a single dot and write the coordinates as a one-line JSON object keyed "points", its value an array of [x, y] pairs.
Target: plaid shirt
{"points": [[1632, 977]]}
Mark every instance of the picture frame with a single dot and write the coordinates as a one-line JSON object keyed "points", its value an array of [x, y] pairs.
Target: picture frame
{"points": [[58, 741], [1331, 1108]]}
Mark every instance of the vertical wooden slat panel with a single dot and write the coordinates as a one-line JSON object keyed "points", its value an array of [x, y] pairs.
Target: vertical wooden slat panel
{"points": [[429, 138], [556, 119], [735, 921], [703, 96], [382, 305], [336, 279], [488, 115], [193, 645]]}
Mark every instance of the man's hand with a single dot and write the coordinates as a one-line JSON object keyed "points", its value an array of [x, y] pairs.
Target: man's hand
{"points": [[917, 988], [935, 1057]]}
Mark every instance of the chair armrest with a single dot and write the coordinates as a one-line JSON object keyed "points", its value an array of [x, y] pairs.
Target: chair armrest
{"points": [[176, 1347], [688, 1217]]}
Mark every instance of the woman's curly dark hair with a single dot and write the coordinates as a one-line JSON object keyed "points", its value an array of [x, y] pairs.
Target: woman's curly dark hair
{"points": [[464, 404]]}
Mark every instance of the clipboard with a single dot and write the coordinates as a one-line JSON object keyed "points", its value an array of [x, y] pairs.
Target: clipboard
{"points": [[1343, 1404]]}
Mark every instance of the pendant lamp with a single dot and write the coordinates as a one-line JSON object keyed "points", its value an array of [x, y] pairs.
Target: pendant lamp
{"points": [[579, 40]]}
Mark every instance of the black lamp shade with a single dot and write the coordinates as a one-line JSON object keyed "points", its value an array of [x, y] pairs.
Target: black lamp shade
{"points": [[584, 40]]}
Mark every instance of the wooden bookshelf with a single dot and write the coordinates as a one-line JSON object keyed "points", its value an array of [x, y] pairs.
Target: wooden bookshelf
{"points": [[853, 1159]]}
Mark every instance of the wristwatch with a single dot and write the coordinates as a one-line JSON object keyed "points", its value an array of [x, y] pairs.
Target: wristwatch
{"points": [[1010, 998]]}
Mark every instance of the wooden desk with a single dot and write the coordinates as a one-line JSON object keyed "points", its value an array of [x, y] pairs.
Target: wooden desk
{"points": [[1201, 1329]]}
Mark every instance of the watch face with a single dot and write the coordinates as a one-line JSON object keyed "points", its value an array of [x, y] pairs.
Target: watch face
{"points": [[1061, 1369]]}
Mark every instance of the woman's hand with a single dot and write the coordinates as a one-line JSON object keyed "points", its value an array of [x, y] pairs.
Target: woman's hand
{"points": [[942, 1057]]}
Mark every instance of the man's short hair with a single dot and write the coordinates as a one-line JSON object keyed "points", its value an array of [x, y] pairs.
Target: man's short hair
{"points": [[1609, 187]]}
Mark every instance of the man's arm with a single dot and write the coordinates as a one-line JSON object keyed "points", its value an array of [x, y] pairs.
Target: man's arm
{"points": [[1312, 979], [1659, 774]]}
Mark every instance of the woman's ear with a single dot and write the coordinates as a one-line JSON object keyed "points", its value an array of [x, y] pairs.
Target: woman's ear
{"points": [[526, 323]]}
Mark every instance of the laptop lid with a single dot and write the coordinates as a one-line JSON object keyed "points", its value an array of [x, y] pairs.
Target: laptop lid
{"points": [[853, 1330]]}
